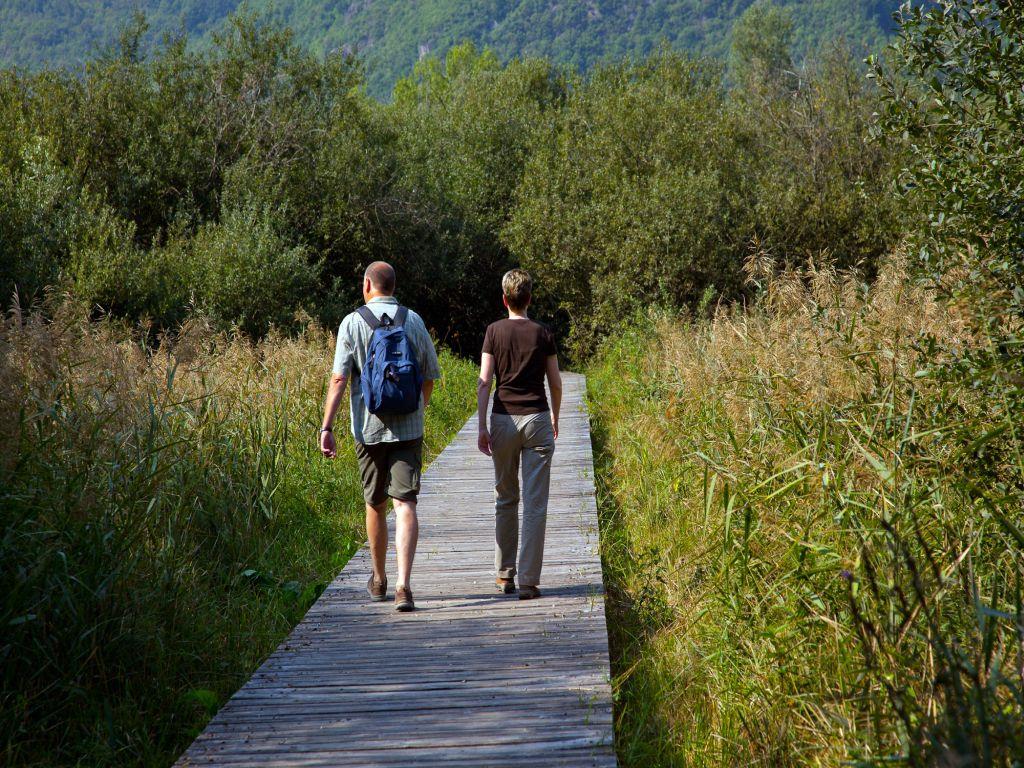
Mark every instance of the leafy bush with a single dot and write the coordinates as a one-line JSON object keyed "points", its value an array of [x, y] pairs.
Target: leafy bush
{"points": [[952, 94], [656, 184], [626, 201], [248, 275], [644, 182], [144, 155], [43, 215], [464, 130]]}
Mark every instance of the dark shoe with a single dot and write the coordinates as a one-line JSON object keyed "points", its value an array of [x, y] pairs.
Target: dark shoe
{"points": [[403, 600], [378, 589], [527, 592], [507, 586]]}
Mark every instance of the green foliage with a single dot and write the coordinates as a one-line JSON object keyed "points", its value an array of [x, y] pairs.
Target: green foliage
{"points": [[246, 273], [237, 272], [40, 216], [626, 200], [952, 94], [656, 184], [253, 179], [166, 518], [393, 36], [69, 34], [819, 187], [762, 41], [464, 130], [154, 184], [952, 97], [804, 564]]}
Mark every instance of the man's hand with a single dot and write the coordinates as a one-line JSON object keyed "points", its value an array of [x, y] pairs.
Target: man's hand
{"points": [[335, 391], [554, 426], [327, 446], [483, 442]]}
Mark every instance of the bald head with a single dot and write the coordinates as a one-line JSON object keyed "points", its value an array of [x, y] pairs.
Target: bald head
{"points": [[381, 276]]}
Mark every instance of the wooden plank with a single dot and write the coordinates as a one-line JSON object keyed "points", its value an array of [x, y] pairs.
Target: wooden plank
{"points": [[472, 677]]}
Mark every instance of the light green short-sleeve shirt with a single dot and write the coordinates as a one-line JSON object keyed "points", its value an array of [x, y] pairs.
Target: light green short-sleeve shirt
{"points": [[350, 356]]}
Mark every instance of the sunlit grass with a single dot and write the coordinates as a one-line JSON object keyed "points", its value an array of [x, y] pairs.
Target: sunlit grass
{"points": [[166, 519], [764, 473]]}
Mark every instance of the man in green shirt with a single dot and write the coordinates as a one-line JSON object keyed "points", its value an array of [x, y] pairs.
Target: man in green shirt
{"points": [[389, 447]]}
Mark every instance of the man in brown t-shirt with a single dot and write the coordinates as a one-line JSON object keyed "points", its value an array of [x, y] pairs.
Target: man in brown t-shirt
{"points": [[520, 353]]}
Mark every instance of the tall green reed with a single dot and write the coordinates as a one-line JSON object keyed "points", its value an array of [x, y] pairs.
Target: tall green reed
{"points": [[166, 518], [789, 538]]}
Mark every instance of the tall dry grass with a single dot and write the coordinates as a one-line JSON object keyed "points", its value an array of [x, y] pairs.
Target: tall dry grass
{"points": [[802, 570], [166, 518]]}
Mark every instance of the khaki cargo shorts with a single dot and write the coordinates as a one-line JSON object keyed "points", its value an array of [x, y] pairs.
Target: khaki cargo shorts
{"points": [[390, 470]]}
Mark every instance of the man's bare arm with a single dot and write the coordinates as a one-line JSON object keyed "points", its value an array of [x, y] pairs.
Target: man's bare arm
{"points": [[428, 390], [555, 385], [335, 392]]}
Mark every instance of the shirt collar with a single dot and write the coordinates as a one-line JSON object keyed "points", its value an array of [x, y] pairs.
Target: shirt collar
{"points": [[382, 300]]}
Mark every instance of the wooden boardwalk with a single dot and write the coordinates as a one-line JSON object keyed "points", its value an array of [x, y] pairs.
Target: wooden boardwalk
{"points": [[471, 678]]}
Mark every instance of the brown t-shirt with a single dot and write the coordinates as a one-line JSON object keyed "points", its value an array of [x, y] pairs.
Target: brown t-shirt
{"points": [[521, 349]]}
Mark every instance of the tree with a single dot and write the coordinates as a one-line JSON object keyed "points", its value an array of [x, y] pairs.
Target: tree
{"points": [[762, 40], [953, 97]]}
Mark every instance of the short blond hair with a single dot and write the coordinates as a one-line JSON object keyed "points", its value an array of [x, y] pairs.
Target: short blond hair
{"points": [[517, 285]]}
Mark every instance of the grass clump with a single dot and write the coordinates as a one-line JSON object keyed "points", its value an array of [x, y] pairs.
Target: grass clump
{"points": [[165, 519], [811, 532]]}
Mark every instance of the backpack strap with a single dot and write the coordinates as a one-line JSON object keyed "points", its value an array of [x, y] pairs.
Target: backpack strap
{"points": [[371, 319], [374, 322]]}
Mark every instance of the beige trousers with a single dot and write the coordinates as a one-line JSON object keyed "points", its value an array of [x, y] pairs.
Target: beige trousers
{"points": [[530, 440]]}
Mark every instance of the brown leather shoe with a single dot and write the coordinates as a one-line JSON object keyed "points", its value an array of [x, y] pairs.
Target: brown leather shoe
{"points": [[526, 592], [507, 586], [403, 600], [378, 590]]}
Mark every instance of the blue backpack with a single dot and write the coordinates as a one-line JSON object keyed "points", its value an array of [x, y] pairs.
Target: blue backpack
{"points": [[390, 379]]}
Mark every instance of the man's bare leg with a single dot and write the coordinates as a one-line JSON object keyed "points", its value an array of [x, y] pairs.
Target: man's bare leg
{"points": [[377, 533], [407, 533]]}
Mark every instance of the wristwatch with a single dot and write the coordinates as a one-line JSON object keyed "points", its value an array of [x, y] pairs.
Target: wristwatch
{"points": [[325, 429]]}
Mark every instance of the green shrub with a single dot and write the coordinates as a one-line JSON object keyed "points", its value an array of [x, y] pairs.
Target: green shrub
{"points": [[593, 183], [463, 130], [43, 215], [109, 272], [952, 96], [248, 275], [656, 184], [627, 201]]}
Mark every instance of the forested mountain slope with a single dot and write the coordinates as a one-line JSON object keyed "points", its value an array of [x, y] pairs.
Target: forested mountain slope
{"points": [[392, 34]]}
